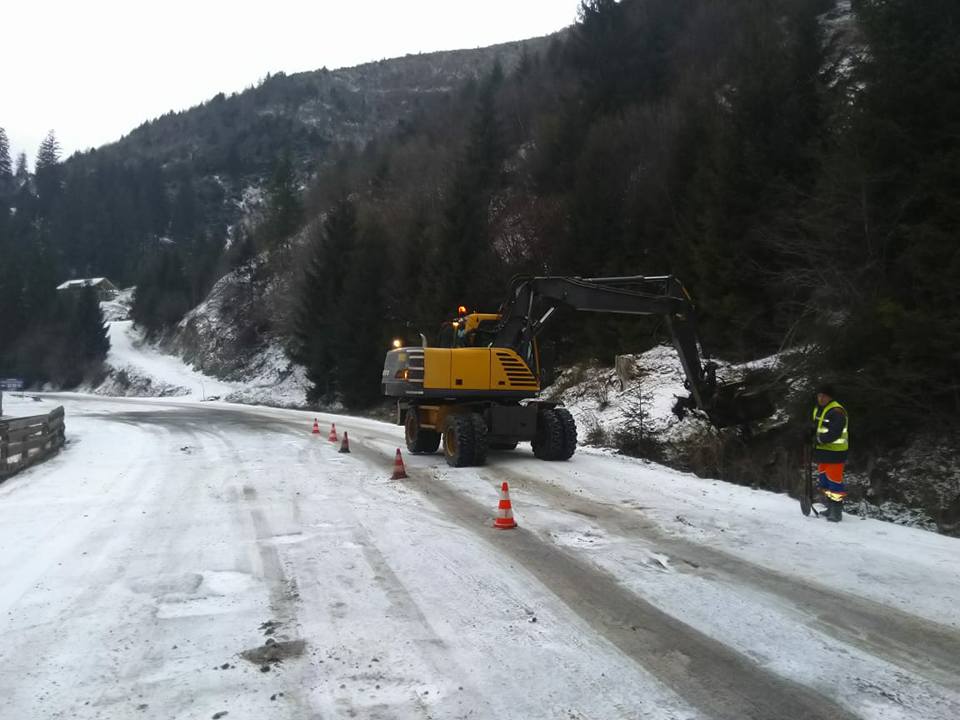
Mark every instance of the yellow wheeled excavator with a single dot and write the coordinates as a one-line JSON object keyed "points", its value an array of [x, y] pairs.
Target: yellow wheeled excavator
{"points": [[480, 387]]}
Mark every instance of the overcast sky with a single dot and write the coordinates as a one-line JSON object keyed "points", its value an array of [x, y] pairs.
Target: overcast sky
{"points": [[92, 70]]}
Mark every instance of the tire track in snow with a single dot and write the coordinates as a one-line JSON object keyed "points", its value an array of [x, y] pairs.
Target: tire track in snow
{"points": [[256, 553], [559, 570], [707, 673], [80, 542], [721, 682], [919, 645]]}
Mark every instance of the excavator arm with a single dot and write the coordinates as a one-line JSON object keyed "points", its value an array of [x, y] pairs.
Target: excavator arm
{"points": [[533, 301]]}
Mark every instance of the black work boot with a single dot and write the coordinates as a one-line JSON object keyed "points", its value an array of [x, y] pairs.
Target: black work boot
{"points": [[834, 510]]}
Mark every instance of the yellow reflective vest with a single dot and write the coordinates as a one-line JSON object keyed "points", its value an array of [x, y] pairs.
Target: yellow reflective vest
{"points": [[839, 445]]}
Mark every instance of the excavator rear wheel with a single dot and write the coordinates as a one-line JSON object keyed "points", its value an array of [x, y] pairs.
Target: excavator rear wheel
{"points": [[548, 442], [569, 446]]}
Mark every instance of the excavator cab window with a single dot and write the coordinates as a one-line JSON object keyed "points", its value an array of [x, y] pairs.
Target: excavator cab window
{"points": [[454, 334], [468, 331], [484, 335], [448, 335]]}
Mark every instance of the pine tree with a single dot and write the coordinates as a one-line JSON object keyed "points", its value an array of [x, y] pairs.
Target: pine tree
{"points": [[465, 262], [6, 172], [48, 172], [11, 302], [22, 173], [284, 207], [163, 291], [48, 154], [92, 338], [359, 323], [183, 214], [315, 343]]}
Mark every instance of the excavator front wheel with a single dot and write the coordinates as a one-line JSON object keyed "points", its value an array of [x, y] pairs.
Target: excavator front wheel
{"points": [[419, 440]]}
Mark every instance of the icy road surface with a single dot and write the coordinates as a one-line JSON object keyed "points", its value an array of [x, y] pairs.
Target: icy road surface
{"points": [[201, 560]]}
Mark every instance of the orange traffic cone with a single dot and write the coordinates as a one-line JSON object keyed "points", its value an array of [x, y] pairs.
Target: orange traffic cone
{"points": [[316, 427], [345, 445], [399, 471], [332, 437], [505, 519]]}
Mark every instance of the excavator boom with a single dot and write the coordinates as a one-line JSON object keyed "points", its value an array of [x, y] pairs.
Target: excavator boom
{"points": [[532, 302]]}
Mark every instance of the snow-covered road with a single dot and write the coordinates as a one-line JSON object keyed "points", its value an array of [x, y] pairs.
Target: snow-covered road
{"points": [[183, 559]]}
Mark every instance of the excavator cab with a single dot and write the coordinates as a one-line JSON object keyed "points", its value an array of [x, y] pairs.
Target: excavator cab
{"points": [[469, 330]]}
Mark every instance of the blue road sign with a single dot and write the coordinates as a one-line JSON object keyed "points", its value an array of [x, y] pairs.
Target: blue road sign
{"points": [[11, 384]]}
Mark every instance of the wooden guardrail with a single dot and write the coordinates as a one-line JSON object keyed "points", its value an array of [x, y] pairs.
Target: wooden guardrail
{"points": [[29, 440]]}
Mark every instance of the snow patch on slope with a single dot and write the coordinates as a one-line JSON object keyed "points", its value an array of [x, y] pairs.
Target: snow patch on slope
{"points": [[139, 369], [119, 307], [642, 400], [273, 380], [220, 362]]}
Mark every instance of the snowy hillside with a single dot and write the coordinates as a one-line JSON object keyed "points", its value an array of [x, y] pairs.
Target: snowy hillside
{"points": [[917, 486], [641, 399], [138, 368]]}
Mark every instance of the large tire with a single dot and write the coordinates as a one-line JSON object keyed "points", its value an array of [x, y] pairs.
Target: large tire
{"points": [[479, 439], [548, 442], [459, 441], [569, 426], [419, 440]]}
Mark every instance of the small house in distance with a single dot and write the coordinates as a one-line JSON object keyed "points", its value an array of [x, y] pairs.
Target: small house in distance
{"points": [[106, 290]]}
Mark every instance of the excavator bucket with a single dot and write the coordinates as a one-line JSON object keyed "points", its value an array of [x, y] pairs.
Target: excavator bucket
{"points": [[730, 404], [739, 404]]}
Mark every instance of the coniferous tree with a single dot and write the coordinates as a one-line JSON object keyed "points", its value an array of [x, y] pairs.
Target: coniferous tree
{"points": [[183, 214], [93, 342], [465, 263], [22, 173], [11, 302], [318, 312], [359, 335], [163, 291], [284, 206], [48, 172], [6, 170], [48, 155]]}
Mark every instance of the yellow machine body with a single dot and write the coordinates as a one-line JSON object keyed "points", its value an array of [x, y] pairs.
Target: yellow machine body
{"points": [[458, 373]]}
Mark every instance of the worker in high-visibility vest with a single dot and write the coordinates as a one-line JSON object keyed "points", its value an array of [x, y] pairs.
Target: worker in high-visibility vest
{"points": [[831, 428]]}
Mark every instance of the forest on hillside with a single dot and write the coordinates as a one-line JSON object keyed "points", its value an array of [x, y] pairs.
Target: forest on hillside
{"points": [[802, 181], [795, 162]]}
